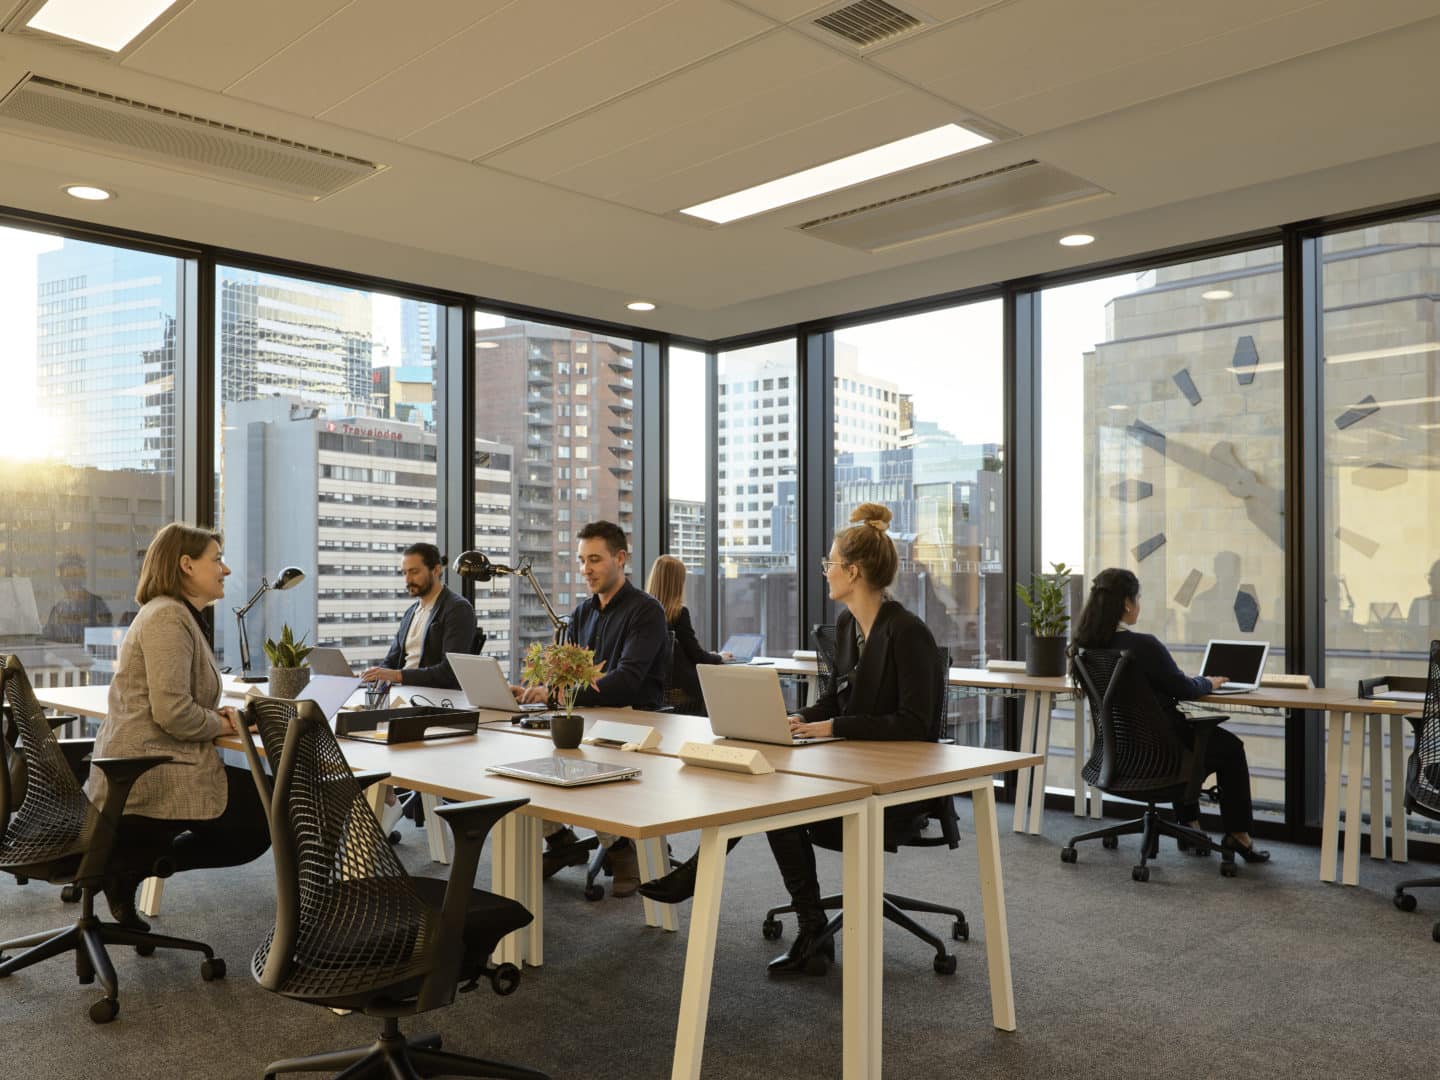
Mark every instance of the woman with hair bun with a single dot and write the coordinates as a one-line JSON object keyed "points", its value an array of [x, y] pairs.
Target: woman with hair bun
{"points": [[1105, 622]]}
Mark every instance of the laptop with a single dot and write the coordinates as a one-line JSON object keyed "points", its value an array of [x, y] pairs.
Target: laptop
{"points": [[484, 685], [565, 771], [746, 703], [1242, 662], [325, 661], [743, 647], [330, 692]]}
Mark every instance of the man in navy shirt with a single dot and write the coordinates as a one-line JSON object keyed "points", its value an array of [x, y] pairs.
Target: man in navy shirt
{"points": [[626, 628]]}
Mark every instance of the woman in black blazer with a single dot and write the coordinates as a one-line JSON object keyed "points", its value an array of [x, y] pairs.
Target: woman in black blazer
{"points": [[667, 585], [1111, 610]]}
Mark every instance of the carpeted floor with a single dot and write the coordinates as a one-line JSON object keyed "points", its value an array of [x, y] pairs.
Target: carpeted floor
{"points": [[1189, 975]]}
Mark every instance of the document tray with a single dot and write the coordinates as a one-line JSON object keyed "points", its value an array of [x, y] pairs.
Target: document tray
{"points": [[406, 725]]}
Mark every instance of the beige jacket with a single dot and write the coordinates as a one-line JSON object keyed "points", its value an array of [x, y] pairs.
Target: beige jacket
{"points": [[163, 701]]}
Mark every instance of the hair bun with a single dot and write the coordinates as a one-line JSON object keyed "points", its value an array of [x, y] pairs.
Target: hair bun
{"points": [[876, 515]]}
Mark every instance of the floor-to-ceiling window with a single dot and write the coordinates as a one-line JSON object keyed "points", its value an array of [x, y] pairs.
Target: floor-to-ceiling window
{"points": [[89, 335], [687, 482], [1163, 451]]}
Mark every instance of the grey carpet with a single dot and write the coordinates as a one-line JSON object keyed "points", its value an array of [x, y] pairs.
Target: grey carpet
{"points": [[1189, 975]]}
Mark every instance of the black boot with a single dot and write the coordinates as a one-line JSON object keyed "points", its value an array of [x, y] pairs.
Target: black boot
{"points": [[120, 896], [676, 886], [807, 955]]}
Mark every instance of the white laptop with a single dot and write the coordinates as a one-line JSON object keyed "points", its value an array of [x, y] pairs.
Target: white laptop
{"points": [[746, 703], [329, 692], [325, 661], [565, 771], [743, 647], [484, 685], [1241, 662]]}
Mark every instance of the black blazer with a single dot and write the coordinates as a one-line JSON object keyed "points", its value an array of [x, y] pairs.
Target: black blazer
{"points": [[890, 691], [1167, 681], [451, 629], [688, 655]]}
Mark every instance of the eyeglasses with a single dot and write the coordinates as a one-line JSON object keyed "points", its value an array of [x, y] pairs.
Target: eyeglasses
{"points": [[826, 565]]}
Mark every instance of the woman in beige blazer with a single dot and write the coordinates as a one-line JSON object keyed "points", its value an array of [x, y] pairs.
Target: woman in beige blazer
{"points": [[165, 699]]}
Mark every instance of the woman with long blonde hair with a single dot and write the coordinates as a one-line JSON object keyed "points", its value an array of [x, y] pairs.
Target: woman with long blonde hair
{"points": [[667, 585]]}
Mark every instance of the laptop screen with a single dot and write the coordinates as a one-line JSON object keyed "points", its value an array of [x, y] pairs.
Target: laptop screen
{"points": [[744, 646], [1239, 661]]}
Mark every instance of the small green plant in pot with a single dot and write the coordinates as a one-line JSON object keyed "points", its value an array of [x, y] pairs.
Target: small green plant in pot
{"points": [[289, 670], [564, 670], [1044, 599]]}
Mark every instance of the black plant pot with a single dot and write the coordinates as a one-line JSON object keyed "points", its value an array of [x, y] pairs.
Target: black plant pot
{"points": [[566, 731], [1045, 656]]}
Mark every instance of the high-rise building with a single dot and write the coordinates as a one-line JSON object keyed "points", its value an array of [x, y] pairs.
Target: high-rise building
{"points": [[687, 536]]}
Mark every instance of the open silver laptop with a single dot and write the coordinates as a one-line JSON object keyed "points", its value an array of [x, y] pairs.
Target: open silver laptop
{"points": [[330, 692], [746, 703], [326, 661], [1241, 662], [743, 647], [483, 683], [565, 771]]}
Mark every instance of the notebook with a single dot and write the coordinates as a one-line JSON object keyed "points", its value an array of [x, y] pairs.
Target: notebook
{"points": [[746, 703], [565, 771], [1240, 661], [743, 647]]}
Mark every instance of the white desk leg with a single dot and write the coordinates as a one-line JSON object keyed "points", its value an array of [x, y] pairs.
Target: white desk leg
{"points": [[1078, 779], [653, 860], [1398, 824], [699, 957], [528, 871], [1044, 706], [1354, 782], [1024, 778], [862, 970], [437, 833], [150, 891], [505, 881], [992, 897], [375, 795], [1330, 816], [1374, 726]]}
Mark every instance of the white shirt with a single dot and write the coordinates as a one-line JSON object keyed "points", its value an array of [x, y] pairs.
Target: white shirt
{"points": [[415, 638]]}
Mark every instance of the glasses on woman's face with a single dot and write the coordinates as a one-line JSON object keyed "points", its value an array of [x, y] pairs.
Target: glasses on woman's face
{"points": [[826, 565]]}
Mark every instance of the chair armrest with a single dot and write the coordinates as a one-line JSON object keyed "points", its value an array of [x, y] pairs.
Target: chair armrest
{"points": [[1212, 720], [365, 779], [120, 777], [77, 753], [1417, 721], [59, 720]]}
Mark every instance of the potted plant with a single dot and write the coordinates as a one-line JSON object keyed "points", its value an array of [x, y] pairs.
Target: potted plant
{"points": [[1044, 599], [289, 671], [564, 670]]}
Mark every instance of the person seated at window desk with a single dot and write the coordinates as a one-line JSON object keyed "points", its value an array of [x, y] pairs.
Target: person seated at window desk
{"points": [[887, 684], [667, 585], [439, 622], [626, 630]]}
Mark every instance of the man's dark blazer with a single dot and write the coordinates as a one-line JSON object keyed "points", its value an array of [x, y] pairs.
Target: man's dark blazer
{"points": [[451, 629]]}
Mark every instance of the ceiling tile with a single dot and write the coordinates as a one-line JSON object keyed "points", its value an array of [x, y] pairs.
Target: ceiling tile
{"points": [[353, 48], [666, 41], [502, 49], [185, 49]]}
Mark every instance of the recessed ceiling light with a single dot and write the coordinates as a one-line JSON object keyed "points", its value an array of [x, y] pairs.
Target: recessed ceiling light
{"points": [[88, 192], [893, 157], [1216, 294], [640, 305], [1078, 239], [106, 24]]}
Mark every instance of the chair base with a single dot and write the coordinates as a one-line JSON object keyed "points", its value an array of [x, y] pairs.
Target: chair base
{"points": [[895, 908], [1151, 826], [87, 939], [395, 1057]]}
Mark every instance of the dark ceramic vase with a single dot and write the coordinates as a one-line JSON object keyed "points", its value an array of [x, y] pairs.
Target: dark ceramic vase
{"points": [[1045, 656], [566, 731]]}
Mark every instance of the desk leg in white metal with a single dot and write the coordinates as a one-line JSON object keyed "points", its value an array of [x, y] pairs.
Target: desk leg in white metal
{"points": [[1398, 827], [1374, 727], [1078, 777], [437, 833], [1044, 707], [653, 857], [151, 890], [992, 899], [1330, 815], [1025, 778], [1354, 785]]}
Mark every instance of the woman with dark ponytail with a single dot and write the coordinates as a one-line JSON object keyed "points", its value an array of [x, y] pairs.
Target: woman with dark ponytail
{"points": [[1105, 623]]}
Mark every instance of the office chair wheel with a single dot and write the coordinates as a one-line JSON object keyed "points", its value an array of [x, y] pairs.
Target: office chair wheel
{"points": [[944, 965], [1406, 902], [1227, 869], [19, 880], [960, 930], [394, 837], [505, 979], [1140, 873], [212, 968], [771, 929], [594, 892], [1068, 855], [1435, 932], [1110, 843], [104, 1010], [144, 950], [70, 894]]}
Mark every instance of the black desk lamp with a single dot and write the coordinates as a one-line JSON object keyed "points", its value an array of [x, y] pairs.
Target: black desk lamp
{"points": [[291, 575], [476, 566]]}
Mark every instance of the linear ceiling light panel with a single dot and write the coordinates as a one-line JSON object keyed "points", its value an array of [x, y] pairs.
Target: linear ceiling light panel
{"points": [[106, 24], [907, 153]]}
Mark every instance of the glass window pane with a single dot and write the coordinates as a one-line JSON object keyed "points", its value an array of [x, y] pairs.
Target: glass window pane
{"points": [[758, 495], [687, 481], [557, 474], [919, 427], [1163, 452], [89, 337], [327, 449]]}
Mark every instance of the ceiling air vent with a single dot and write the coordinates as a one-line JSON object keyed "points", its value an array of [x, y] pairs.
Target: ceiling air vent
{"points": [[92, 120], [867, 23], [983, 199]]}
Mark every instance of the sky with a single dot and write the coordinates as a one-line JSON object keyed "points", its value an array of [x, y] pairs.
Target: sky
{"points": [[25, 435]]}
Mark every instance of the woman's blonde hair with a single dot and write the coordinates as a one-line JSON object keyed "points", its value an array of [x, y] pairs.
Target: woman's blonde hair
{"points": [[667, 584], [160, 573], [866, 545]]}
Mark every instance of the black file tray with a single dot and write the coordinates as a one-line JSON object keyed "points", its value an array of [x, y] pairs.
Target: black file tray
{"points": [[406, 725], [1381, 684]]}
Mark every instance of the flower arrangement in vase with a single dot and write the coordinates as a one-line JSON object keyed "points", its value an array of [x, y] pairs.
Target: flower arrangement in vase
{"points": [[564, 670]]}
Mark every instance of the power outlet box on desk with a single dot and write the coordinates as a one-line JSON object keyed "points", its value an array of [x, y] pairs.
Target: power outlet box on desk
{"points": [[730, 758], [625, 736]]}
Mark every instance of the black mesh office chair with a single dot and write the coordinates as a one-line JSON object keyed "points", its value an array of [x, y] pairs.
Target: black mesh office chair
{"points": [[352, 929], [1139, 755], [823, 634], [896, 907], [55, 833], [1422, 776]]}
